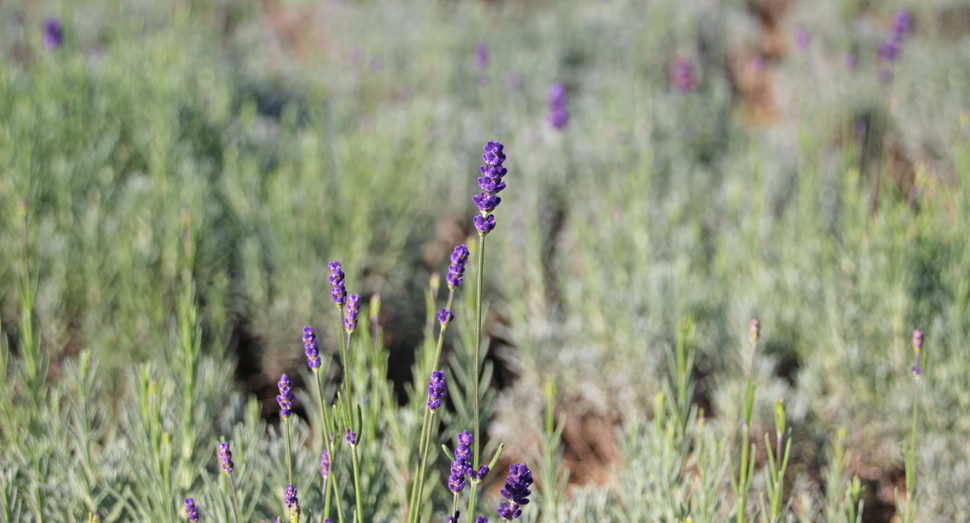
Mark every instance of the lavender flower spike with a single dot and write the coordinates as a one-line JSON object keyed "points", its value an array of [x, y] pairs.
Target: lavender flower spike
{"points": [[491, 184], [311, 349], [436, 390], [292, 503], [462, 465], [53, 33], [456, 271], [917, 341], [558, 116], [481, 519], [191, 510], [454, 519], [285, 399], [339, 292], [516, 491], [683, 75], [353, 309], [226, 456], [352, 437], [325, 464], [481, 54]]}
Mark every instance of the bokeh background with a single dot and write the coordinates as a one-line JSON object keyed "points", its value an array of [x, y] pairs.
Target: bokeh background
{"points": [[803, 161]]}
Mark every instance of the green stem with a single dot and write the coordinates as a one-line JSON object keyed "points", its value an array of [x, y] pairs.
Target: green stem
{"points": [[912, 451], [235, 500], [345, 355], [476, 365], [743, 483], [289, 452], [336, 494], [471, 501], [327, 443], [425, 440], [360, 505]]}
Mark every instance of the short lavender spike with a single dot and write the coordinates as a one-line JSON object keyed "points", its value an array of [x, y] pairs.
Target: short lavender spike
{"points": [[191, 510], [352, 437], [338, 292], [445, 316], [436, 390], [683, 75], [917, 341], [491, 184], [454, 519], [226, 456], [325, 464], [462, 465], [53, 33], [516, 491], [754, 330], [292, 502], [285, 399], [311, 349], [481, 54], [482, 472], [353, 309], [456, 271], [481, 519]]}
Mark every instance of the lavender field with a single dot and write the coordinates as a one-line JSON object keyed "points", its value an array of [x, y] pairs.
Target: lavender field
{"points": [[515, 260]]}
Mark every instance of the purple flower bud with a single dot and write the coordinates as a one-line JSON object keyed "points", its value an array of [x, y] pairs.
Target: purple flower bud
{"points": [[481, 519], [754, 330], [484, 225], [191, 510], [285, 399], [901, 21], [436, 390], [558, 116], [462, 466], [481, 54], [353, 309], [445, 316], [683, 75], [456, 270], [53, 32], [917, 340], [325, 464], [310, 348], [226, 456], [338, 292], [292, 502], [352, 437], [482, 472], [516, 491], [454, 519], [889, 50], [917, 371]]}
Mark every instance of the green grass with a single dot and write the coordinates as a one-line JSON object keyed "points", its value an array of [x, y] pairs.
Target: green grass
{"points": [[189, 170]]}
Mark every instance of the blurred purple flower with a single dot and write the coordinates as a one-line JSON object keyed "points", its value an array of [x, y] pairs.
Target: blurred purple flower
{"points": [[558, 115], [456, 271], [325, 464], [53, 32], [191, 510], [802, 39], [336, 278], [310, 348], [481, 54], [292, 502], [353, 309], [226, 456], [285, 399], [683, 74], [445, 316]]}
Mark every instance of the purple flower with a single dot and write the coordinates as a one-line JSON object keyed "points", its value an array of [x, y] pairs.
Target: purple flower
{"points": [[516, 491], [917, 340], [325, 464], [481, 519], [353, 309], [285, 399], [436, 390], [462, 466], [890, 49], [191, 510], [454, 519], [339, 292], [482, 472], [683, 74], [491, 184], [558, 116], [754, 330], [311, 349], [484, 225], [53, 32], [292, 502], [901, 21], [226, 456], [352, 437], [456, 271], [802, 39], [445, 316], [481, 54]]}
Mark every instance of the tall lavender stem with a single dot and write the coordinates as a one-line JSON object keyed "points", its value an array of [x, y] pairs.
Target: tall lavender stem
{"points": [[476, 363]]}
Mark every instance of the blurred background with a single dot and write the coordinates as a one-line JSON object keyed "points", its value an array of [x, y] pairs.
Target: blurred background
{"points": [[803, 161]]}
